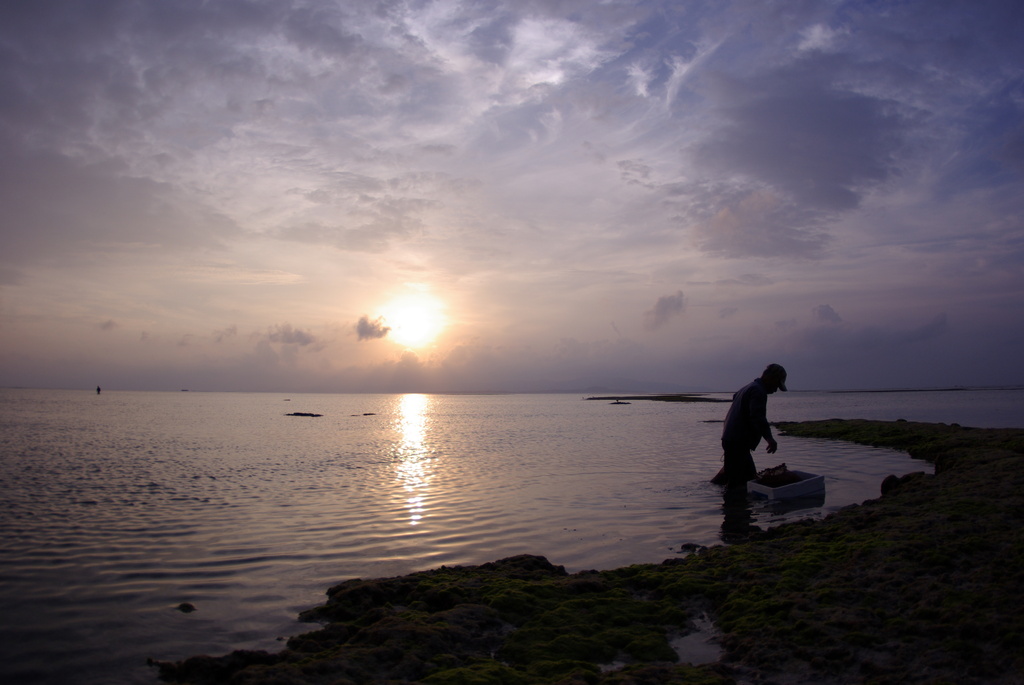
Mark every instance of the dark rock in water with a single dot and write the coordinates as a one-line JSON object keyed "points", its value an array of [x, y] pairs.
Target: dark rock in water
{"points": [[303, 413], [186, 608], [893, 483], [890, 483], [691, 547], [208, 669], [525, 567]]}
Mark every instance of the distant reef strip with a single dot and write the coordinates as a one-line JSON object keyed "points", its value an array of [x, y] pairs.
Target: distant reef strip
{"points": [[921, 585], [680, 397]]}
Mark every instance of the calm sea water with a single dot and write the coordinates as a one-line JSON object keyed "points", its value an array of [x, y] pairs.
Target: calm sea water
{"points": [[118, 507]]}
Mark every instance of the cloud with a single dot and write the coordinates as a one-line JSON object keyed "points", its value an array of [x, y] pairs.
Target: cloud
{"points": [[819, 143], [371, 330], [58, 207], [667, 307], [824, 312], [492, 39], [762, 224], [635, 172], [873, 338], [315, 28], [287, 335], [225, 334], [374, 224], [819, 37]]}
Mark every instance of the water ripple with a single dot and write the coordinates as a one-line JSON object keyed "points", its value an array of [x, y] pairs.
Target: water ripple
{"points": [[118, 508]]}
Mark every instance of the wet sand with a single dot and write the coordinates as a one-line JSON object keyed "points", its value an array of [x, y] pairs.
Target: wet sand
{"points": [[920, 585]]}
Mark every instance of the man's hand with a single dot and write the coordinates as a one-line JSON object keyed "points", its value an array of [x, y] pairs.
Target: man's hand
{"points": [[772, 446]]}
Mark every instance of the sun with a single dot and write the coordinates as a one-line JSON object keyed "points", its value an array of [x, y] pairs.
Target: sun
{"points": [[415, 320]]}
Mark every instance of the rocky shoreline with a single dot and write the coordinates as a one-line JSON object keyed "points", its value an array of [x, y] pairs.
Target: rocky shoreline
{"points": [[921, 585]]}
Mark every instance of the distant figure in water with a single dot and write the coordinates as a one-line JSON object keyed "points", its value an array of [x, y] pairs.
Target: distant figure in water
{"points": [[745, 425], [97, 390]]}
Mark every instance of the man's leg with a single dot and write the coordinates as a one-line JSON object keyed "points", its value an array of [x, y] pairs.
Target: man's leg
{"points": [[739, 465]]}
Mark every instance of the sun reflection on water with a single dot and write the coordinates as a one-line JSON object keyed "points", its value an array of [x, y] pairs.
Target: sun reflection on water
{"points": [[413, 456]]}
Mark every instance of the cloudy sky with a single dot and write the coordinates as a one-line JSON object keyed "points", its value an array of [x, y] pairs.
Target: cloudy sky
{"points": [[478, 195]]}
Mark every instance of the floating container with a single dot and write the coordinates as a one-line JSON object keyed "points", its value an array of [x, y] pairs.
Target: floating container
{"points": [[809, 484]]}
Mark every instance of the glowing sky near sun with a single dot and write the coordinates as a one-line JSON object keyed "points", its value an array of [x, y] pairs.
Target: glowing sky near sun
{"points": [[452, 195]]}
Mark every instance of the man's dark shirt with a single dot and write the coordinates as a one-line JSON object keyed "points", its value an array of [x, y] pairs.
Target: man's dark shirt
{"points": [[747, 420]]}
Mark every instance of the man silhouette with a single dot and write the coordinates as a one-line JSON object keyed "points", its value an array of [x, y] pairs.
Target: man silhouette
{"points": [[745, 425]]}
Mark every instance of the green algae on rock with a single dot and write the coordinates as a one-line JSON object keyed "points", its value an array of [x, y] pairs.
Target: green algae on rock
{"points": [[919, 586], [518, 620]]}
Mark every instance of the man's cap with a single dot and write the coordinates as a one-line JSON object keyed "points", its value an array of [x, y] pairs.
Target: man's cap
{"points": [[779, 372]]}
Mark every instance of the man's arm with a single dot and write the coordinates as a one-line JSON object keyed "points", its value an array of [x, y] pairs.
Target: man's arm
{"points": [[759, 419]]}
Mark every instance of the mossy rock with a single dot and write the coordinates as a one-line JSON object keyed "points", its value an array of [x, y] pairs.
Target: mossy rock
{"points": [[481, 673]]}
